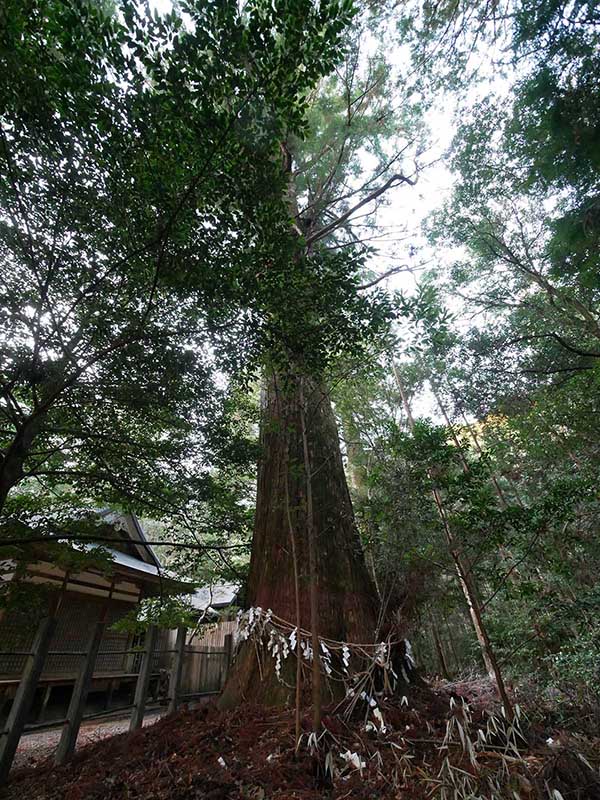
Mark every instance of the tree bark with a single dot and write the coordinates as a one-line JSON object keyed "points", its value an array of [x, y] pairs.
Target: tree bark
{"points": [[439, 647], [347, 599], [312, 563], [13, 458], [358, 474]]}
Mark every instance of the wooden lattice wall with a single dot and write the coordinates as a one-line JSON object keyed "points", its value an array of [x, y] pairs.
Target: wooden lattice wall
{"points": [[76, 618]]}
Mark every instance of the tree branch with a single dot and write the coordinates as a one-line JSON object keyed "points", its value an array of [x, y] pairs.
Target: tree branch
{"points": [[393, 181], [375, 281]]}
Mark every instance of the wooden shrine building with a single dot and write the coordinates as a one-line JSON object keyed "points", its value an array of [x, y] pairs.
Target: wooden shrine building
{"points": [[82, 600], [65, 660]]}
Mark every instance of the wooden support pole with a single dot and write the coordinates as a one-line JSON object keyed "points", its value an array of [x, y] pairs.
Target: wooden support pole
{"points": [[228, 648], [177, 671], [9, 737], [143, 681], [70, 731], [41, 716], [108, 696]]}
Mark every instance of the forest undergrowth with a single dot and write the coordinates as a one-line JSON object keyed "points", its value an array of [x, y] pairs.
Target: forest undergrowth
{"points": [[448, 741]]}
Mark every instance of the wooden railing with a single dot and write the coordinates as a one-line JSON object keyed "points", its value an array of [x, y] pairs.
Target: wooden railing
{"points": [[193, 672]]}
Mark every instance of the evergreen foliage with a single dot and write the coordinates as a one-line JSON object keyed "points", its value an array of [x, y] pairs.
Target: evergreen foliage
{"points": [[193, 200]]}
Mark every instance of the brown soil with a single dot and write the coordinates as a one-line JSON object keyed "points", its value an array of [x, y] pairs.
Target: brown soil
{"points": [[35, 748], [249, 754]]}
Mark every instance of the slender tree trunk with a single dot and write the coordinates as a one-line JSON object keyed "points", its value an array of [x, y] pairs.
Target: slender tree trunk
{"points": [[450, 427], [506, 555], [439, 649], [465, 577], [459, 446], [347, 600], [450, 640]]}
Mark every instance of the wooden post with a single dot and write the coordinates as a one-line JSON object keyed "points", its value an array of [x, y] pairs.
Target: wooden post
{"points": [[228, 647], [110, 689], [45, 701], [9, 737], [68, 738], [4, 700], [70, 731], [177, 670], [143, 681]]}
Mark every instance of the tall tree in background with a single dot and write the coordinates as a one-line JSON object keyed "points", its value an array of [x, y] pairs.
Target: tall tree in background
{"points": [[519, 378]]}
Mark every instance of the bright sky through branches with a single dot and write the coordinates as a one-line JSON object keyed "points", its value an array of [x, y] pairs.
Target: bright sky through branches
{"points": [[398, 237]]}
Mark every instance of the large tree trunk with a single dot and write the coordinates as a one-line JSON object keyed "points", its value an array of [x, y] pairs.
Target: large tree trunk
{"points": [[358, 475], [347, 600]]}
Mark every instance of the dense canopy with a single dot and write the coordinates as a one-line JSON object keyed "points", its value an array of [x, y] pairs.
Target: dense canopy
{"points": [[313, 288]]}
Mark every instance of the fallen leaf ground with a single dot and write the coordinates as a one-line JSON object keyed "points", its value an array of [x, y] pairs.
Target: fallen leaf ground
{"points": [[249, 754]]}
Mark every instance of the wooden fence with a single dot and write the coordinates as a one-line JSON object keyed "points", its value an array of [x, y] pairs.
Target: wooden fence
{"points": [[170, 675]]}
